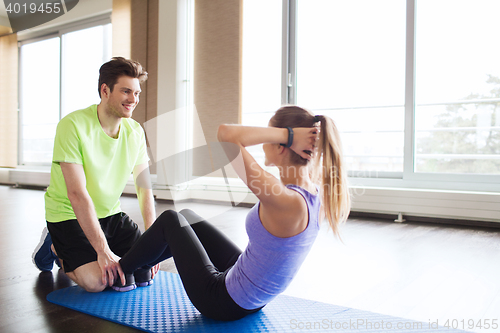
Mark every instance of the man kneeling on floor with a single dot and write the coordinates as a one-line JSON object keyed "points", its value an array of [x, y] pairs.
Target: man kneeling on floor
{"points": [[95, 151]]}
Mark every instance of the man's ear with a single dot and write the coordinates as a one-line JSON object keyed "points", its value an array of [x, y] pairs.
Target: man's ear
{"points": [[105, 90]]}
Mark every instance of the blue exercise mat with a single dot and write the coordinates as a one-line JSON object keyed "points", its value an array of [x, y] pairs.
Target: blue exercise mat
{"points": [[165, 307]]}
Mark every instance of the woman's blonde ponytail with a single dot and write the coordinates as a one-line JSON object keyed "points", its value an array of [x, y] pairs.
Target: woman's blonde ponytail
{"points": [[332, 175]]}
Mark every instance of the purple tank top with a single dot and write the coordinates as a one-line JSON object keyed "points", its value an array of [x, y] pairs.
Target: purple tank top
{"points": [[269, 263]]}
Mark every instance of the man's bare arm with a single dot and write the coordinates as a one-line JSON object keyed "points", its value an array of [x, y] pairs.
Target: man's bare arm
{"points": [[84, 209]]}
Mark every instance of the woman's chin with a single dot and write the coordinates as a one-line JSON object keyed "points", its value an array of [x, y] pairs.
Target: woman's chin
{"points": [[268, 164]]}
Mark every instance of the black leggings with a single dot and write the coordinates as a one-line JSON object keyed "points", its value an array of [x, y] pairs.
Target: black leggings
{"points": [[202, 255]]}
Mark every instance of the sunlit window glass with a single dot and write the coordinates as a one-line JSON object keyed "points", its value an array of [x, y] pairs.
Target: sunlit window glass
{"points": [[262, 58], [261, 78], [457, 117], [84, 51], [351, 66], [39, 99]]}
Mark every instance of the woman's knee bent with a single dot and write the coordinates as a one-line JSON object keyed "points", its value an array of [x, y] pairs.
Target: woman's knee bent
{"points": [[191, 216], [171, 219]]}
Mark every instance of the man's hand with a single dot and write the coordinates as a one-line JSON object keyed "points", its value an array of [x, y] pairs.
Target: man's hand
{"points": [[110, 268]]}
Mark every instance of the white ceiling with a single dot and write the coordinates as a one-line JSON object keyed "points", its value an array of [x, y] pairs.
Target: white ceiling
{"points": [[3, 13], [4, 20], [84, 9]]}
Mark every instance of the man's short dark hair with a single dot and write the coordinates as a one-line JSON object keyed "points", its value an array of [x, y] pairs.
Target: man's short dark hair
{"points": [[117, 67]]}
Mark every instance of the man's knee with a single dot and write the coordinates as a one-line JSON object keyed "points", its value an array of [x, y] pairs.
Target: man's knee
{"points": [[94, 286], [88, 277]]}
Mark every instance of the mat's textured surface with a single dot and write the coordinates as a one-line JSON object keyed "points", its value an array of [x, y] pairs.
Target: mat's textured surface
{"points": [[165, 307]]}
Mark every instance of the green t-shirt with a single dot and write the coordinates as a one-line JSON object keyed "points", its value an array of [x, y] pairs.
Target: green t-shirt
{"points": [[107, 162]]}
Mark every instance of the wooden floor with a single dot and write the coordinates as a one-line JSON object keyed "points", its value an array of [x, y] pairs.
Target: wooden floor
{"points": [[416, 271]]}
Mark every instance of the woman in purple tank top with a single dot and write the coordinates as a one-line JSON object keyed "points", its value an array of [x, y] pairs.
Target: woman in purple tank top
{"points": [[223, 282]]}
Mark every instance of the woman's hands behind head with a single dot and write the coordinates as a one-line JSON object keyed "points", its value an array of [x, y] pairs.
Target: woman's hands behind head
{"points": [[304, 141]]}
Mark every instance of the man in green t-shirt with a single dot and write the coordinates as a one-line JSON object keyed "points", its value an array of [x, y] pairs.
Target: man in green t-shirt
{"points": [[95, 151]]}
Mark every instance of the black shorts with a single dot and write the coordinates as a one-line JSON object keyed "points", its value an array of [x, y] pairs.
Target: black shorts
{"points": [[73, 247]]}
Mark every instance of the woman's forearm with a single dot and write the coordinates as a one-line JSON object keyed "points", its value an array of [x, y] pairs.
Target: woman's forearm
{"points": [[248, 135]]}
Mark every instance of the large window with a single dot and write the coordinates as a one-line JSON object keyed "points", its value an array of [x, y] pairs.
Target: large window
{"points": [[58, 74], [414, 86]]}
